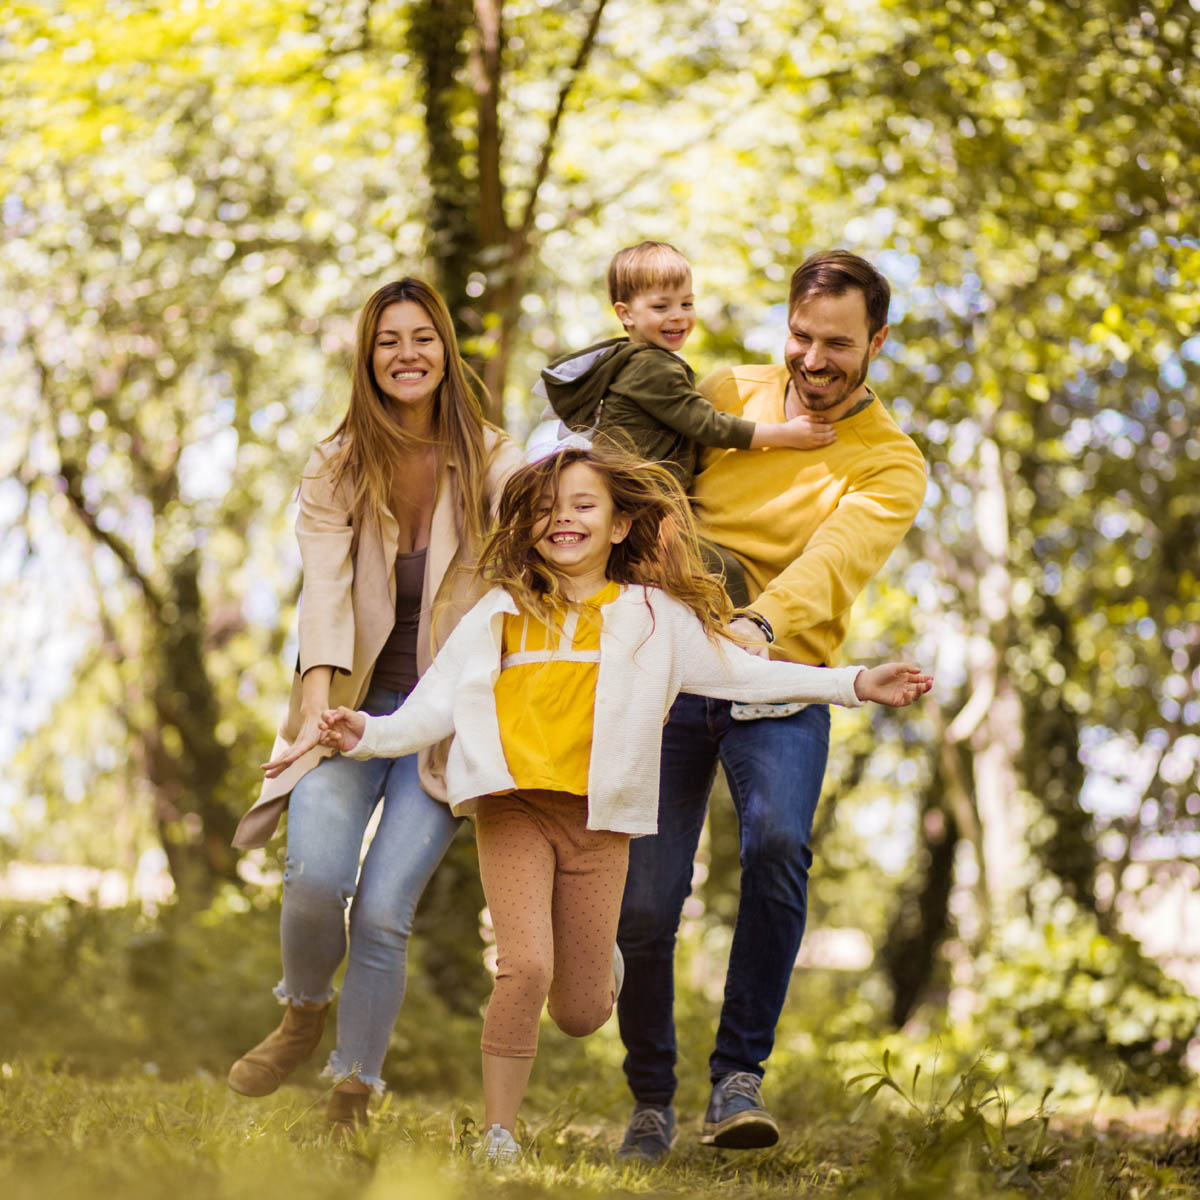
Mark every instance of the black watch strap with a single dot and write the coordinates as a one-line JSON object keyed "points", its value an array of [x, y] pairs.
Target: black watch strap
{"points": [[750, 615]]}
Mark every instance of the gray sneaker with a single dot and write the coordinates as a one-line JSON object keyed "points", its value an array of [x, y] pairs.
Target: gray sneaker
{"points": [[650, 1135], [737, 1118]]}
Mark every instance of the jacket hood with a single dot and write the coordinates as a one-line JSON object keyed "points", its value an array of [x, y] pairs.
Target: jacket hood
{"points": [[577, 383]]}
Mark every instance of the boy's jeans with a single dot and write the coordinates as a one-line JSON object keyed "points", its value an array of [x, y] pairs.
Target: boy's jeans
{"points": [[327, 818], [775, 769]]}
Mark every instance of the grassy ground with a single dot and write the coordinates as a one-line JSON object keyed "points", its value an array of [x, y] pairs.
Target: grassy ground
{"points": [[115, 1034], [66, 1135]]}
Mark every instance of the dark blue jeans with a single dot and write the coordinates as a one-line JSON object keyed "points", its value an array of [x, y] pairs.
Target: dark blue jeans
{"points": [[774, 768]]}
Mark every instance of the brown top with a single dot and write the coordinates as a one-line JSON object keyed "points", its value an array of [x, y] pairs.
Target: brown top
{"points": [[396, 666]]}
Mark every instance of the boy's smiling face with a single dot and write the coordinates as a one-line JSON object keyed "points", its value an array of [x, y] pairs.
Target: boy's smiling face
{"points": [[662, 316]]}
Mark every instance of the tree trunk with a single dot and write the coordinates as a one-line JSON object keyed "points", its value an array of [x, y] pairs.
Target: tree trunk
{"points": [[991, 720], [470, 231], [185, 700], [437, 35], [922, 918], [1054, 773]]}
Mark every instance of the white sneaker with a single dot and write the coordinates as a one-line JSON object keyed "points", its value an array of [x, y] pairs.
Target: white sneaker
{"points": [[497, 1149]]}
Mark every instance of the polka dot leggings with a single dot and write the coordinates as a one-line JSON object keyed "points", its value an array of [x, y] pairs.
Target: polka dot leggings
{"points": [[554, 890]]}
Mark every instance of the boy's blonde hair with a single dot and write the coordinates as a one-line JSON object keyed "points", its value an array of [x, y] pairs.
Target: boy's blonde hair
{"points": [[647, 265]]}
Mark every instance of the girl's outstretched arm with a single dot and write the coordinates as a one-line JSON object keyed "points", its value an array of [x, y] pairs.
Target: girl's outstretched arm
{"points": [[892, 683], [728, 672], [427, 715]]}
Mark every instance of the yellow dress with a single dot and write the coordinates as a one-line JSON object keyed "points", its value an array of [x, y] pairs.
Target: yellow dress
{"points": [[546, 694]]}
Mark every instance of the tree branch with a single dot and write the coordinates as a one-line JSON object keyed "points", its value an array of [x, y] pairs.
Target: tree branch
{"points": [[72, 476], [548, 144]]}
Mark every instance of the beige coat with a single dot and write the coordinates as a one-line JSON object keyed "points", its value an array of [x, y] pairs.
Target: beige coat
{"points": [[348, 608]]}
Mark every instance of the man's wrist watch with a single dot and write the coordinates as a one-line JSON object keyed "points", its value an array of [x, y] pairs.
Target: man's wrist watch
{"points": [[758, 619]]}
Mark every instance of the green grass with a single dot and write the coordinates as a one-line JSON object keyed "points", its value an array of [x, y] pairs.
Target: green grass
{"points": [[133, 1136], [116, 1032]]}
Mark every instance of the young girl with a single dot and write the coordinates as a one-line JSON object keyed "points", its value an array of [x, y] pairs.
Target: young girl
{"points": [[556, 685]]}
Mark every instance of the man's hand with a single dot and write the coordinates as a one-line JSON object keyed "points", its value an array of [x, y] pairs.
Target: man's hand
{"points": [[342, 728], [748, 632], [896, 684]]}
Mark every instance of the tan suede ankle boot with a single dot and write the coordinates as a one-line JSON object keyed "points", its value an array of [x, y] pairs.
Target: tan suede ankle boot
{"points": [[346, 1113], [261, 1070]]}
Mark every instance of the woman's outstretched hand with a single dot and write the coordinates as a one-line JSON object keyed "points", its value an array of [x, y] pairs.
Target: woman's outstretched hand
{"points": [[342, 728], [308, 737], [896, 684]]}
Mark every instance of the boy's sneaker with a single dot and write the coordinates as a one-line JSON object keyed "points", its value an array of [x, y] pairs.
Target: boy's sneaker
{"points": [[737, 1118], [498, 1148], [650, 1135]]}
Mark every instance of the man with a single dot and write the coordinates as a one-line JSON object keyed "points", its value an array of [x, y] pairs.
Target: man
{"points": [[810, 527]]}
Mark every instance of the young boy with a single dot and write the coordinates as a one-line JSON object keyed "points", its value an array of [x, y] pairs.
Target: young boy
{"points": [[637, 392]]}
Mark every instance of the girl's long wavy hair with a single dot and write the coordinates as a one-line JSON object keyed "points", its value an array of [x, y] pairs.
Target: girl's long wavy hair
{"points": [[661, 550], [372, 441]]}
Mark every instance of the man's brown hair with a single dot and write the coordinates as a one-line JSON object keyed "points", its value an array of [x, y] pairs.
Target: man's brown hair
{"points": [[835, 272]]}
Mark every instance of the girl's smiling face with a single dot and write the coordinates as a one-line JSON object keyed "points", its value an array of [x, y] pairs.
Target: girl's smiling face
{"points": [[577, 529]]}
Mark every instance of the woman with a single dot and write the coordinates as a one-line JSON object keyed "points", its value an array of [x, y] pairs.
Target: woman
{"points": [[394, 508]]}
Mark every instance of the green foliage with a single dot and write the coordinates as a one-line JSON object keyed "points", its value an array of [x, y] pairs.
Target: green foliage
{"points": [[196, 198], [959, 1126], [102, 992], [98, 991], [70, 1137], [959, 1137], [1104, 1013]]}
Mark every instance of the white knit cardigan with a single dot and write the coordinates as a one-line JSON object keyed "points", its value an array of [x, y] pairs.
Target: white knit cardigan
{"points": [[651, 649]]}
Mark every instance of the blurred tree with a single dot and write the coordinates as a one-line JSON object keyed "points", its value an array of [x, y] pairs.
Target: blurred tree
{"points": [[152, 273], [195, 202], [482, 231], [1041, 181]]}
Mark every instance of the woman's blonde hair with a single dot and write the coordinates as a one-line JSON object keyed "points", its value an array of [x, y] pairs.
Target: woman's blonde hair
{"points": [[371, 439], [661, 550]]}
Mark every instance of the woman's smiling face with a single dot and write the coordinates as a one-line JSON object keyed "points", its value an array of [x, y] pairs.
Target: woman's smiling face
{"points": [[409, 358]]}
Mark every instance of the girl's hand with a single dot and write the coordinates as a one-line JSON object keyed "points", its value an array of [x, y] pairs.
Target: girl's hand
{"points": [[308, 737], [896, 684], [342, 728]]}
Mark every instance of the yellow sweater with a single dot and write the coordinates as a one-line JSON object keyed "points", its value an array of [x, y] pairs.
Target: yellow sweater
{"points": [[810, 526], [546, 694]]}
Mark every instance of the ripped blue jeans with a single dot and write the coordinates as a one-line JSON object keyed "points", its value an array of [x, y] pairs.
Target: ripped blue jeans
{"points": [[327, 819]]}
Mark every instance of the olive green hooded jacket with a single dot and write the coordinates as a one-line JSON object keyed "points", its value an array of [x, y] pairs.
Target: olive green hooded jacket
{"points": [[644, 399]]}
